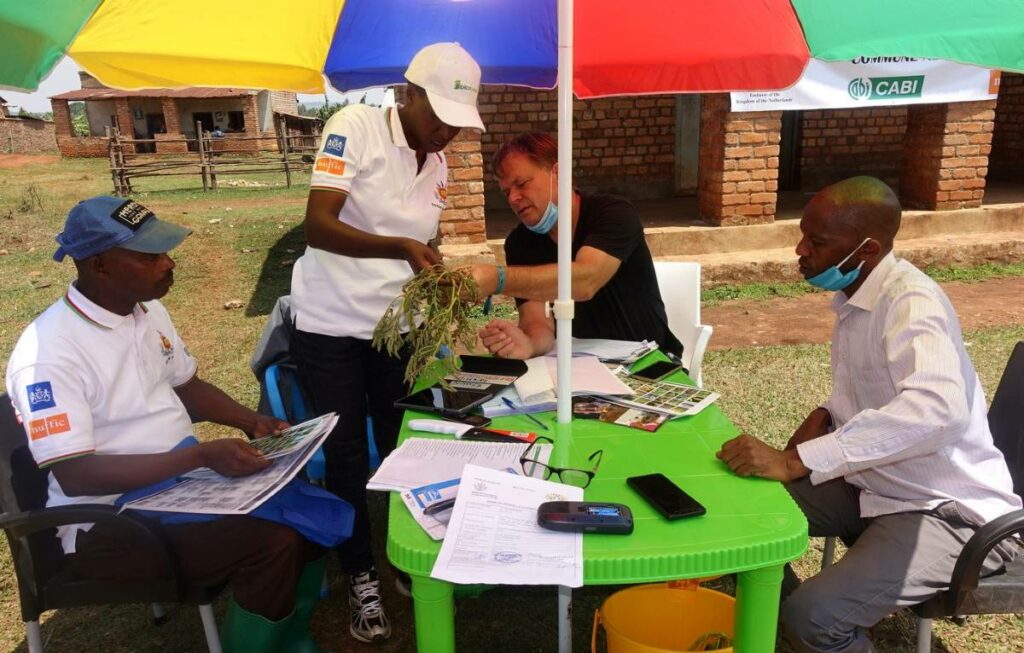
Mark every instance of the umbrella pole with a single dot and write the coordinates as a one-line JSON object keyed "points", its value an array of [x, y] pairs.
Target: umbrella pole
{"points": [[563, 308]]}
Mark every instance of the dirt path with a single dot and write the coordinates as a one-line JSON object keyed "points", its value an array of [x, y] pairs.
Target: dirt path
{"points": [[808, 319], [19, 160]]}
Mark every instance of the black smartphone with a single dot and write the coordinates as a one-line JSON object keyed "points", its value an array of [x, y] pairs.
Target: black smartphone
{"points": [[657, 371], [665, 496]]}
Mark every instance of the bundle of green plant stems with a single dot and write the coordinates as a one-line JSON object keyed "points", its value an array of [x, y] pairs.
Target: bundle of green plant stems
{"points": [[432, 312]]}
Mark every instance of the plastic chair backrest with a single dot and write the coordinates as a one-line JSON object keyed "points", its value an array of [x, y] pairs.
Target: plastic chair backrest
{"points": [[1006, 417], [285, 394], [679, 283], [287, 402], [24, 487]]}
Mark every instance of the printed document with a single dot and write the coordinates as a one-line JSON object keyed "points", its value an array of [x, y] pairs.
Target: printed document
{"points": [[493, 536], [422, 461]]}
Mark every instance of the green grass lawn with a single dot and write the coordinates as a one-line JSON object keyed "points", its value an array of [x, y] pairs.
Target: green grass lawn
{"points": [[243, 244]]}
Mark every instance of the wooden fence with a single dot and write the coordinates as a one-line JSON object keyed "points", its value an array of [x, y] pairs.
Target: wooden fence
{"points": [[207, 157]]}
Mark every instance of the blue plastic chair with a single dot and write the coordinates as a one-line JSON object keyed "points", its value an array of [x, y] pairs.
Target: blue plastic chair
{"points": [[295, 410]]}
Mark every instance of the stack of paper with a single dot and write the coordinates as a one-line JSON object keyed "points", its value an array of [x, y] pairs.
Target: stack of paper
{"points": [[615, 351], [539, 403], [589, 376]]}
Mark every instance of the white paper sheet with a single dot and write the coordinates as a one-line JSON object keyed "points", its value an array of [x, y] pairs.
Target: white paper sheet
{"points": [[493, 536], [618, 351], [535, 386], [589, 376], [421, 461]]}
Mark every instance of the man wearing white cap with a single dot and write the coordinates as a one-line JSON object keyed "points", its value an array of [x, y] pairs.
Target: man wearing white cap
{"points": [[378, 187]]}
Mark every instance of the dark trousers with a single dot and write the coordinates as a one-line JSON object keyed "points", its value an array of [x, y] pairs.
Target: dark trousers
{"points": [[260, 560], [350, 377]]}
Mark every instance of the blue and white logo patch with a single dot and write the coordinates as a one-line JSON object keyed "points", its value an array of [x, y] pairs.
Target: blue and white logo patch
{"points": [[335, 145], [40, 396]]}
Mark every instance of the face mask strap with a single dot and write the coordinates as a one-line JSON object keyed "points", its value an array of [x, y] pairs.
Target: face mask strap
{"points": [[850, 255]]}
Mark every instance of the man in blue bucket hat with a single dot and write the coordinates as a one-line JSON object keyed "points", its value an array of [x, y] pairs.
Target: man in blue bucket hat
{"points": [[107, 393]]}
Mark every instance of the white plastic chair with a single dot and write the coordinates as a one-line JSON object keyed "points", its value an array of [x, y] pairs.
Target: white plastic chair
{"points": [[679, 283]]}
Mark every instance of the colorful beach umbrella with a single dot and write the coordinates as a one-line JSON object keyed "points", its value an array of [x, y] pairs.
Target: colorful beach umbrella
{"points": [[640, 46], [645, 46]]}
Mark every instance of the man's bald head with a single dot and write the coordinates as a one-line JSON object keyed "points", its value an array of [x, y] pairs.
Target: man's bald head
{"points": [[865, 206]]}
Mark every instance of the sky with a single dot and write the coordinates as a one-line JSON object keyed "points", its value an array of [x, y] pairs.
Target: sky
{"points": [[64, 77]]}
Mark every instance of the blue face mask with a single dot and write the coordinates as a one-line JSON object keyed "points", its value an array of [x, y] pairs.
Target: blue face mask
{"points": [[550, 217], [832, 279]]}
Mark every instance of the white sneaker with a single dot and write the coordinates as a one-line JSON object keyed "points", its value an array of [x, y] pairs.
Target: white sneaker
{"points": [[368, 621]]}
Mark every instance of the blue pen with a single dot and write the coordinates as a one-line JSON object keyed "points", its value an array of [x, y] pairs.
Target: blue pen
{"points": [[511, 404]]}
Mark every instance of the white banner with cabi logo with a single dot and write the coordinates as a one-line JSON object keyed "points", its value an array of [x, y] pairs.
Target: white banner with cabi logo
{"points": [[875, 81]]}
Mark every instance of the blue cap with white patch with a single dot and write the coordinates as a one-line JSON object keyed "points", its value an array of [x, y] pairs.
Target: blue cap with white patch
{"points": [[101, 223]]}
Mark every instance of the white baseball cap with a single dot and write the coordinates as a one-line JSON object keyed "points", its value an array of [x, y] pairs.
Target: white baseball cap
{"points": [[451, 78]]}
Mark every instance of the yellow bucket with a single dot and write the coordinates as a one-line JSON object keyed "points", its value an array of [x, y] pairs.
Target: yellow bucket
{"points": [[664, 618]]}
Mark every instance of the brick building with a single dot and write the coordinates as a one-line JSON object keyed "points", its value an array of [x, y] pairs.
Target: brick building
{"points": [[938, 156], [169, 115], [24, 135]]}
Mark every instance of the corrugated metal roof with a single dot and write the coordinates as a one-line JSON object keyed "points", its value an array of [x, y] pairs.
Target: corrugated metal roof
{"points": [[298, 116], [191, 92]]}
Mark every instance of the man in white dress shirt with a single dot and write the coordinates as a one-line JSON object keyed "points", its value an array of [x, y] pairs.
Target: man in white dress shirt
{"points": [[899, 461]]}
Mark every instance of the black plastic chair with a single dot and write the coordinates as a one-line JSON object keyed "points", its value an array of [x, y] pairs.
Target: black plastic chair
{"points": [[1000, 593], [45, 580]]}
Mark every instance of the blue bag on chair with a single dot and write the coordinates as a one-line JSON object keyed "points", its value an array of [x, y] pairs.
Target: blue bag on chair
{"points": [[318, 515]]}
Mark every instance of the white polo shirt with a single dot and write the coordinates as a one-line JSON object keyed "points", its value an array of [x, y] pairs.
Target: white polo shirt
{"points": [[363, 153], [84, 380]]}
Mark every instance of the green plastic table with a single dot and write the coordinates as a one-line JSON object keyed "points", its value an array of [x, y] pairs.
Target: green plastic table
{"points": [[752, 526]]}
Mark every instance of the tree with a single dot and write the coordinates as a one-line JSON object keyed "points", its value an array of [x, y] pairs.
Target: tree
{"points": [[22, 113], [79, 121]]}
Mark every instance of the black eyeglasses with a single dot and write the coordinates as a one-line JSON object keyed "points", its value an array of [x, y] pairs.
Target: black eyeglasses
{"points": [[577, 477]]}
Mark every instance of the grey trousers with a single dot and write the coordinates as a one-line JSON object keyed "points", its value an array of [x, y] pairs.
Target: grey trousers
{"points": [[893, 561]]}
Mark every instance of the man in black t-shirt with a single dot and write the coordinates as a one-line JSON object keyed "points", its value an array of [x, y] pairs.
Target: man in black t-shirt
{"points": [[613, 280]]}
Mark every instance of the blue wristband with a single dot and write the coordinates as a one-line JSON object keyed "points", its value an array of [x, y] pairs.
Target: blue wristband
{"points": [[501, 279]]}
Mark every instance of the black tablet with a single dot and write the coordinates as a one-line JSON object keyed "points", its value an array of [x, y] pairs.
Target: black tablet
{"points": [[445, 402]]}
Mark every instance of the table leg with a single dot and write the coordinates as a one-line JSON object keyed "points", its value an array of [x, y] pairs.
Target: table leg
{"points": [[757, 609], [434, 611]]}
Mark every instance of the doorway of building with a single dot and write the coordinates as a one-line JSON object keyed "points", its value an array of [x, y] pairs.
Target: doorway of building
{"points": [[155, 124], [687, 143], [204, 117], [789, 150]]}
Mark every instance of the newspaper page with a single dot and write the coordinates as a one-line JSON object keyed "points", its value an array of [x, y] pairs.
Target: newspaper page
{"points": [[211, 493]]}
